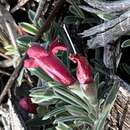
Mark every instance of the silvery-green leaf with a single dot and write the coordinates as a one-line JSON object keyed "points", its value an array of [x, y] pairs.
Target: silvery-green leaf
{"points": [[24, 41], [70, 19], [40, 74], [111, 97], [29, 28], [20, 77], [37, 121], [99, 124], [54, 112], [126, 68], [126, 43], [65, 99], [73, 97], [76, 111], [76, 10], [72, 119], [107, 107], [44, 100], [105, 17], [62, 126], [31, 15]]}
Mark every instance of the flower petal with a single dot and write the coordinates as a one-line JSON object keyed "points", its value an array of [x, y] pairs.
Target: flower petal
{"points": [[56, 70], [55, 46], [30, 63], [83, 71], [36, 51]]}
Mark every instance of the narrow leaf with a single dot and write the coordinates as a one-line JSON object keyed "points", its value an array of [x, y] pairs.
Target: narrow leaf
{"points": [[54, 112], [62, 126], [29, 28], [126, 43]]}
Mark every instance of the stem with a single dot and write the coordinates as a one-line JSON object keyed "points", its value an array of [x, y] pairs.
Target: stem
{"points": [[39, 10], [72, 45]]}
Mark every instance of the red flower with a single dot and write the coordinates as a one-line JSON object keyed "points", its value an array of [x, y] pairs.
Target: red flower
{"points": [[40, 57], [83, 71], [26, 104]]}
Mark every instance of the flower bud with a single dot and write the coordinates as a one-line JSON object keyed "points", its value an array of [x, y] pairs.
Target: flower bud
{"points": [[26, 104]]}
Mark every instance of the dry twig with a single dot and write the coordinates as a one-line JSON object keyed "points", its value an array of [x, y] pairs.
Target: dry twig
{"points": [[12, 79], [49, 20], [108, 32]]}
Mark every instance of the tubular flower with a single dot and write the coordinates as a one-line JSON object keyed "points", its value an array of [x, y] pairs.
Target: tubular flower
{"points": [[83, 71], [26, 104], [40, 57]]}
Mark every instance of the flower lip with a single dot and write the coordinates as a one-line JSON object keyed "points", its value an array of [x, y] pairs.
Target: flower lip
{"points": [[49, 63], [36, 51], [83, 70], [55, 46]]}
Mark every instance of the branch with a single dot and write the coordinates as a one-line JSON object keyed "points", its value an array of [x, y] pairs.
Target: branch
{"points": [[41, 6], [49, 20], [108, 32], [116, 7], [12, 79]]}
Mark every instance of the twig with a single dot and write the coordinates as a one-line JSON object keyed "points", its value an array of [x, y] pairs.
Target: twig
{"points": [[39, 10], [49, 20], [12, 79], [108, 32], [5, 73], [14, 117], [114, 7], [19, 4], [6, 63], [72, 45], [4, 56]]}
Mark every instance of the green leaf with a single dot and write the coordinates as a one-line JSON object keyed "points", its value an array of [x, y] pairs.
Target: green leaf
{"points": [[24, 42], [29, 28], [31, 15], [105, 17], [99, 124], [107, 107], [71, 19], [111, 97], [42, 110], [73, 118], [50, 129], [44, 100], [65, 99], [10, 50], [76, 10], [126, 43], [54, 112], [39, 23], [73, 97], [62, 126], [96, 79], [4, 38], [37, 121], [76, 111], [20, 77], [126, 68], [40, 74], [42, 95]]}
